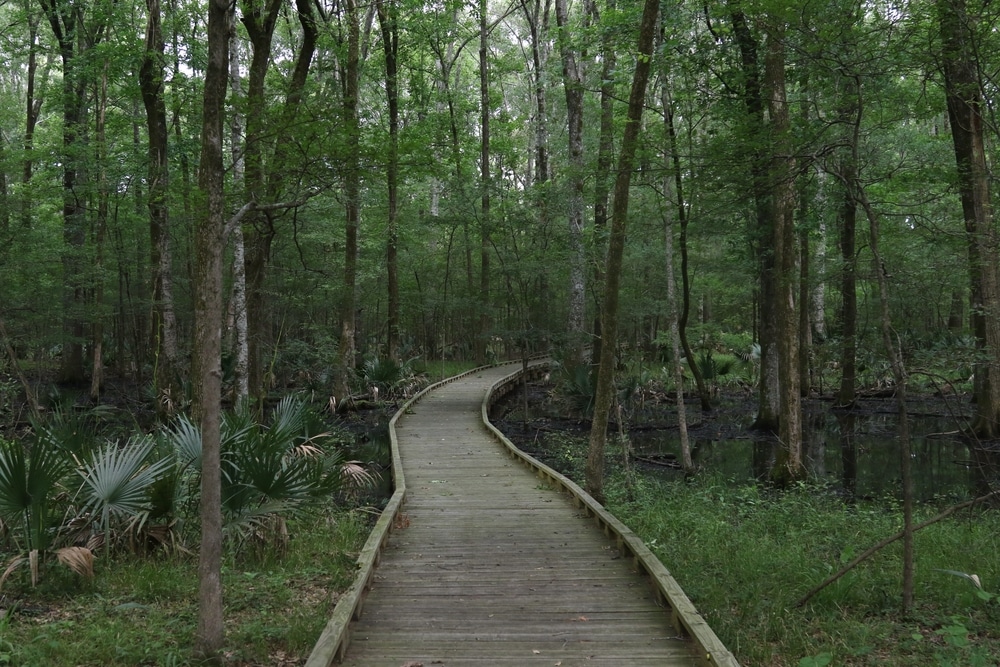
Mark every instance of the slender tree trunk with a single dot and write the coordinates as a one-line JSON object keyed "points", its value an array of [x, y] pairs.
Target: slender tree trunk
{"points": [[390, 42], [704, 394], [616, 246], [485, 184], [238, 300], [965, 109], [602, 172], [782, 278], [164, 330], [768, 400], [899, 375], [33, 108], [573, 85], [851, 116], [259, 19], [101, 225], [352, 191], [66, 22], [670, 164], [207, 343]]}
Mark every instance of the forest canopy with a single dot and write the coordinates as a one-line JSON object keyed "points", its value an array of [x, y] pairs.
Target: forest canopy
{"points": [[433, 180]]}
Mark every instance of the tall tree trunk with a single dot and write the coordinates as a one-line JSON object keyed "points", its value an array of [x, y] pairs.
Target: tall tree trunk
{"points": [[33, 108], [768, 400], [965, 109], [164, 331], [352, 193], [605, 160], [684, 313], [100, 228], [485, 184], [573, 86], [390, 42], [899, 375], [616, 246], [238, 300], [670, 165], [259, 19], [851, 117], [66, 21], [207, 343], [782, 278]]}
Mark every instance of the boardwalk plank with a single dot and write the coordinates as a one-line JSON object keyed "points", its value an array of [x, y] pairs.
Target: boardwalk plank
{"points": [[492, 566]]}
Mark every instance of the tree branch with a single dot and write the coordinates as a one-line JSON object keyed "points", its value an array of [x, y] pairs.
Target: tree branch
{"points": [[889, 540]]}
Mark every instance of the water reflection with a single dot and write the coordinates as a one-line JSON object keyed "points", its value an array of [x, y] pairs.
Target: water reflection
{"points": [[857, 453]]}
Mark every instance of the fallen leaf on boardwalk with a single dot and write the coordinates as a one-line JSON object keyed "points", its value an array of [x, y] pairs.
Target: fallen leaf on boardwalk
{"points": [[536, 652], [581, 618], [413, 663]]}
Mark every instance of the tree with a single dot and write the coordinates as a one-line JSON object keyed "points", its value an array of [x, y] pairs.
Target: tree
{"points": [[207, 343], [387, 18], [74, 38], [573, 85], [963, 91], [164, 332], [603, 393], [780, 303], [350, 74]]}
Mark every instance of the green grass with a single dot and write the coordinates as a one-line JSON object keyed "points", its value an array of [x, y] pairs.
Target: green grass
{"points": [[143, 611], [745, 556]]}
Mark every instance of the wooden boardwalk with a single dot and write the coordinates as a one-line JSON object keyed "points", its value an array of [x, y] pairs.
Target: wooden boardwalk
{"points": [[488, 564]]}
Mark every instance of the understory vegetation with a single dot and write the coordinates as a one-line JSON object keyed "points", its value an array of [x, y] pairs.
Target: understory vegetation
{"points": [[99, 525], [141, 610], [746, 555]]}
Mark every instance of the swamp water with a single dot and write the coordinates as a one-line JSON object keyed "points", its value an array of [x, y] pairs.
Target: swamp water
{"points": [[857, 452]]}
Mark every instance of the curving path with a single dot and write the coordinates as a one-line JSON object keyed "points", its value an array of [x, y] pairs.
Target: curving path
{"points": [[488, 564]]}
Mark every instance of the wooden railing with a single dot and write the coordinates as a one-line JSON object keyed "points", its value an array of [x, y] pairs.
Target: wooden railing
{"points": [[335, 638], [710, 651]]}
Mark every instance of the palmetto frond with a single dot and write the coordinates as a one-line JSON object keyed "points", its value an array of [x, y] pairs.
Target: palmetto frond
{"points": [[117, 480], [27, 482]]}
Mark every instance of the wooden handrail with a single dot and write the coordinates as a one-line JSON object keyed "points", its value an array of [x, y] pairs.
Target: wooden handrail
{"points": [[709, 649]]}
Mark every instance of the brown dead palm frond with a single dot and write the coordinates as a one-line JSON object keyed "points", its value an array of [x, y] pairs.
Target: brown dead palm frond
{"points": [[78, 559], [14, 563], [356, 476]]}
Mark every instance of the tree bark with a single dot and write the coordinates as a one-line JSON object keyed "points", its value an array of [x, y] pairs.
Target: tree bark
{"points": [[573, 86], [616, 246], [207, 361], [965, 109], [768, 400], [485, 184], [602, 175], [164, 331], [851, 117], [390, 41], [66, 22], [780, 280], [670, 164], [352, 190]]}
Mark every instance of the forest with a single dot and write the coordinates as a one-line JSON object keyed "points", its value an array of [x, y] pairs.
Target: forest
{"points": [[210, 205]]}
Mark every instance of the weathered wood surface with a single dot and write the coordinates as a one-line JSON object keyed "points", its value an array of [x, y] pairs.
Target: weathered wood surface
{"points": [[489, 565]]}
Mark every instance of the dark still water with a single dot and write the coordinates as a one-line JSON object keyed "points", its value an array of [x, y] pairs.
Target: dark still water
{"points": [[857, 452]]}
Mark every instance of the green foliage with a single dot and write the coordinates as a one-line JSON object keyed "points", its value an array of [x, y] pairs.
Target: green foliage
{"points": [[578, 386], [29, 481], [118, 481], [389, 378], [143, 611], [789, 542]]}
